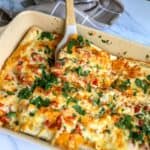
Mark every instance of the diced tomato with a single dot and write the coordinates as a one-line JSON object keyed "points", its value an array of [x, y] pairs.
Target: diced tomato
{"points": [[4, 119], [78, 129], [36, 57], [47, 123], [147, 108], [58, 122], [8, 77], [58, 73], [57, 65], [24, 79], [137, 108], [141, 122], [1, 104], [81, 61], [20, 77], [2, 112], [95, 82], [69, 119], [54, 103]]}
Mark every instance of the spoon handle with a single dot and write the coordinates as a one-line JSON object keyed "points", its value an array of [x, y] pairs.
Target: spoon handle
{"points": [[70, 15]]}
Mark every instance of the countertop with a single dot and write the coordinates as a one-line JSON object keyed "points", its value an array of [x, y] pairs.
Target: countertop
{"points": [[133, 24]]}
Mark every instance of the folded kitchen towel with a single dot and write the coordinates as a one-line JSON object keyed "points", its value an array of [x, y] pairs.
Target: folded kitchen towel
{"points": [[99, 14]]}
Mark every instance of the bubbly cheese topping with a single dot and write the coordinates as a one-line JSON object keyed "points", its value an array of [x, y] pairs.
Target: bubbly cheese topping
{"points": [[89, 100]]}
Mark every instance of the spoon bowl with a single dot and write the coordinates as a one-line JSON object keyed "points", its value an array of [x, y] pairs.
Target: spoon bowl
{"points": [[70, 26]]}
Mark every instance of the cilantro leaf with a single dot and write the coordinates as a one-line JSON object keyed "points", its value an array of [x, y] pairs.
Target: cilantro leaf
{"points": [[82, 72], [101, 112], [24, 93], [46, 35], [125, 122], [79, 109], [46, 81], [71, 100], [39, 102], [136, 136], [70, 45], [11, 115]]}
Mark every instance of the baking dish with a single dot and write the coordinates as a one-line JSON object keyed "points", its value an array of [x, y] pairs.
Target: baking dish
{"points": [[18, 27]]}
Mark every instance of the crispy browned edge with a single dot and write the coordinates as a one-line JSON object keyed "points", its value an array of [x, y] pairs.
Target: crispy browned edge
{"points": [[15, 54]]}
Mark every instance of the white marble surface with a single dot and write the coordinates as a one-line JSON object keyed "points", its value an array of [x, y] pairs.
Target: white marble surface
{"points": [[133, 24]]}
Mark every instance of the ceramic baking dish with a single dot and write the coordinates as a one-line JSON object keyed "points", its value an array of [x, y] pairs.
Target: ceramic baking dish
{"points": [[19, 26]]}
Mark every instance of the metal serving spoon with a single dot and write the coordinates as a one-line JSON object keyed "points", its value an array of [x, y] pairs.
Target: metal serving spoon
{"points": [[70, 26]]}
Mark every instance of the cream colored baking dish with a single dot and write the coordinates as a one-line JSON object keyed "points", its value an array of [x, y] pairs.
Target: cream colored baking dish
{"points": [[18, 27]]}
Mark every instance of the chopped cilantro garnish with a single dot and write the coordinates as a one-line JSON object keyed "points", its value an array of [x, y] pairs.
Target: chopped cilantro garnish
{"points": [[89, 87], [111, 106], [121, 85], [79, 109], [46, 81], [101, 112], [70, 45], [67, 87], [46, 102], [105, 41], [148, 77], [96, 101], [71, 100], [138, 82], [11, 115], [24, 93], [136, 136], [124, 85], [46, 35], [145, 86], [98, 67], [47, 50], [125, 122], [82, 72], [32, 114], [142, 84], [146, 129], [80, 41], [10, 93], [88, 43], [39, 102], [139, 115], [100, 94], [42, 66], [114, 84]]}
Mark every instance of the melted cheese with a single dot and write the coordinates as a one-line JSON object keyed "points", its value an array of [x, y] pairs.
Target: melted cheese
{"points": [[93, 91]]}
